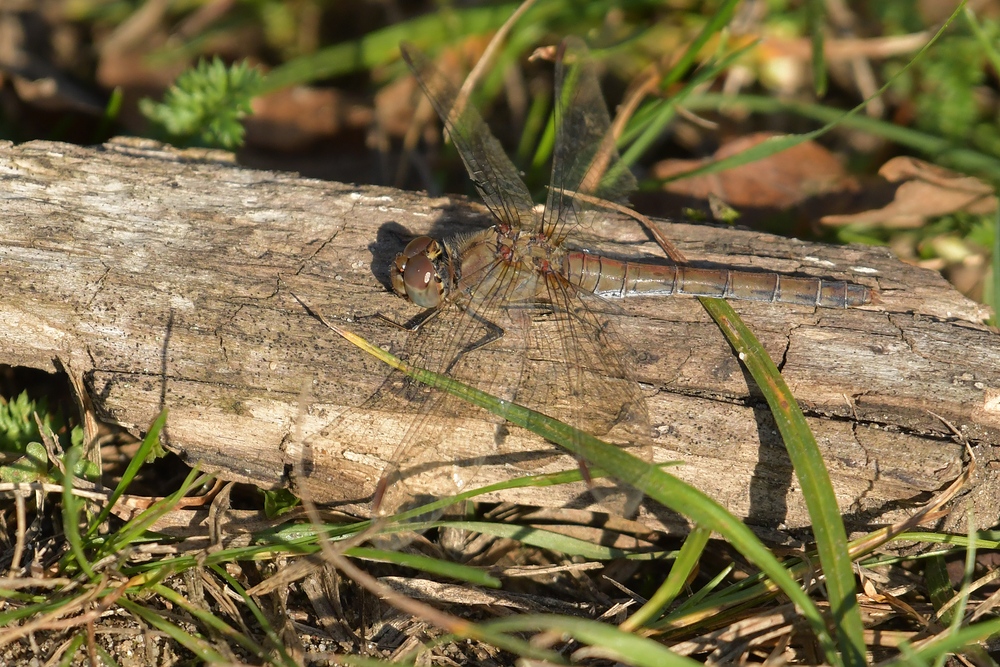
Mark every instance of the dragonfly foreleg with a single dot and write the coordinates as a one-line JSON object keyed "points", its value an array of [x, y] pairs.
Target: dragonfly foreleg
{"points": [[492, 332], [410, 326]]}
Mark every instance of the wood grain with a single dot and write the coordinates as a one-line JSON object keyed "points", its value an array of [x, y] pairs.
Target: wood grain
{"points": [[165, 280]]}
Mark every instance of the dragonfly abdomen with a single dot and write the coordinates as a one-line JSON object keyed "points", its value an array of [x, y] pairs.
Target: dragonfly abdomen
{"points": [[613, 278]]}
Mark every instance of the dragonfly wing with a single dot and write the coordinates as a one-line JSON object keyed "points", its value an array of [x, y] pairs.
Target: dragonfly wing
{"points": [[433, 443], [577, 370], [584, 158], [476, 338], [492, 172]]}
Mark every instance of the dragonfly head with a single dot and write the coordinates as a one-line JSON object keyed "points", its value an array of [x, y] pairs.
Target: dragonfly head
{"points": [[414, 274]]}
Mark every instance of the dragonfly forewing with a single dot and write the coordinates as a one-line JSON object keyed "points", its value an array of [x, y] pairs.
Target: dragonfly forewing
{"points": [[553, 353], [585, 158], [492, 172]]}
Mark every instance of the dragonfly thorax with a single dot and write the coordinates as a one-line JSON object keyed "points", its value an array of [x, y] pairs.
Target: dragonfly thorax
{"points": [[415, 275]]}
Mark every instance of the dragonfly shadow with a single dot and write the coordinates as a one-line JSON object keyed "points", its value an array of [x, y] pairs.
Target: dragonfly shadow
{"points": [[390, 240]]}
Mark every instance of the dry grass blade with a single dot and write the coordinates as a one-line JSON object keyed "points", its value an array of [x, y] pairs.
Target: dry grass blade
{"points": [[487, 58], [733, 642], [929, 512]]}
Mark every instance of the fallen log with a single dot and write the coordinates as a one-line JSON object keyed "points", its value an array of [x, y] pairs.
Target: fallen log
{"points": [[165, 278]]}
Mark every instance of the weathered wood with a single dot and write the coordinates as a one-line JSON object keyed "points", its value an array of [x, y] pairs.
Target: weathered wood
{"points": [[166, 281]]}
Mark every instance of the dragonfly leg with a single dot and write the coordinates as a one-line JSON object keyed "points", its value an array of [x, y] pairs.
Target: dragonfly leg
{"points": [[410, 326], [493, 332]]}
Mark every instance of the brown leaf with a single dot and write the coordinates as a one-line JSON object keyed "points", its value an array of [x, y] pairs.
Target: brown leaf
{"points": [[925, 191], [295, 118], [779, 181]]}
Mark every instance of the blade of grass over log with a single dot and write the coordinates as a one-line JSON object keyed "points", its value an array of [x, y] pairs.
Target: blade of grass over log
{"points": [[821, 501], [660, 486]]}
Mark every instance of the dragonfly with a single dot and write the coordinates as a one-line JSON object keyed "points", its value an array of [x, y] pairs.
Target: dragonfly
{"points": [[516, 310]]}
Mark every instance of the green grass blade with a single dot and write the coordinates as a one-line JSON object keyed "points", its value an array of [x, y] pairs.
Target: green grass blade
{"points": [[662, 487], [530, 535], [274, 639], [201, 648], [72, 511], [648, 124], [382, 46], [815, 10], [212, 621], [614, 643], [548, 479], [939, 588], [828, 527], [526, 481], [541, 538], [719, 19], [943, 150], [149, 443], [71, 650], [702, 593], [778, 144], [992, 291], [685, 563], [18, 613], [472, 575], [949, 643], [138, 525]]}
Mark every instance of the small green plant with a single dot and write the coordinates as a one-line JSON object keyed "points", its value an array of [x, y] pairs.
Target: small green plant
{"points": [[20, 435], [205, 105], [18, 427]]}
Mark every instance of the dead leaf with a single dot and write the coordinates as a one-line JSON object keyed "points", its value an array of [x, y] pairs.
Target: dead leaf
{"points": [[925, 191], [296, 118], [779, 181]]}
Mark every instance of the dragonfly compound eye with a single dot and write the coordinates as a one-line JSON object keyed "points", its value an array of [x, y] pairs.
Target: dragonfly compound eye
{"points": [[424, 247], [422, 283]]}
